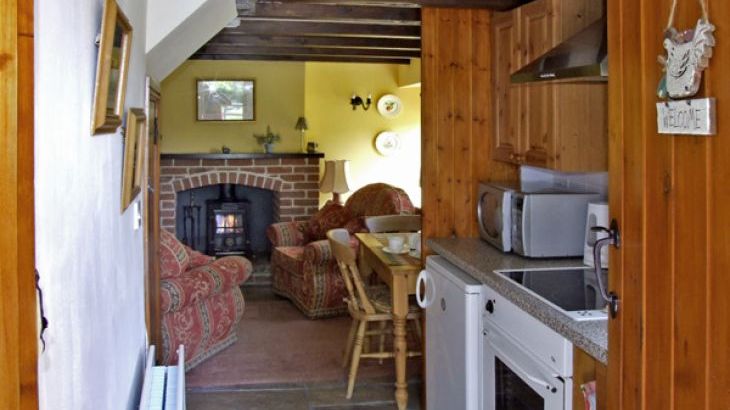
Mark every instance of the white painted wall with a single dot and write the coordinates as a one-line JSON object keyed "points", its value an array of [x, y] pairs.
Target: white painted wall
{"points": [[165, 15], [89, 257], [179, 28]]}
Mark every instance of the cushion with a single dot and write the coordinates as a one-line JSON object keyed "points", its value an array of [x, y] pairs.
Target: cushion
{"points": [[379, 199], [331, 216], [174, 259]]}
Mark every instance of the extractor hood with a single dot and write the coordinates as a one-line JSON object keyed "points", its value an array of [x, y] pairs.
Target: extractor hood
{"points": [[583, 57]]}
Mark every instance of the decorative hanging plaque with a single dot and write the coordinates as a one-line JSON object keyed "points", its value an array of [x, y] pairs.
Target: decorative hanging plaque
{"points": [[688, 54]]}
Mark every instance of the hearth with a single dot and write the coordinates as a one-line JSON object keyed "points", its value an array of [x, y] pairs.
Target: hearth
{"points": [[228, 224]]}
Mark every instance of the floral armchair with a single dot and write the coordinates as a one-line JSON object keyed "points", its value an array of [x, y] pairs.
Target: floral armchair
{"points": [[302, 265], [200, 300]]}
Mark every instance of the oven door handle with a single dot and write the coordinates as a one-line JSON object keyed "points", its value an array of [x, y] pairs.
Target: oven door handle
{"points": [[493, 337]]}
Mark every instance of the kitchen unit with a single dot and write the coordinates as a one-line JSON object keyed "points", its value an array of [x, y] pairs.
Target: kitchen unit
{"points": [[453, 304], [560, 126], [526, 332]]}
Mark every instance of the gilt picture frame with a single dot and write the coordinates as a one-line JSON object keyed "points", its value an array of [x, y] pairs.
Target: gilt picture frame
{"points": [[226, 100], [115, 46], [134, 142]]}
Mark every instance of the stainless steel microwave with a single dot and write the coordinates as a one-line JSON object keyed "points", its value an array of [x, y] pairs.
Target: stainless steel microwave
{"points": [[539, 224]]}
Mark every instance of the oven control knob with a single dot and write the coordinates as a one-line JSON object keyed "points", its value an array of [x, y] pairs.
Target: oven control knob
{"points": [[490, 306]]}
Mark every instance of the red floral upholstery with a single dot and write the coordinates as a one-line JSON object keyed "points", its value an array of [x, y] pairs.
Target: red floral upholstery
{"points": [[331, 216], [201, 305], [303, 268]]}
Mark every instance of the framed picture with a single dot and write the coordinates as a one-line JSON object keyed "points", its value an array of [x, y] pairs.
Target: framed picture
{"points": [[226, 100], [115, 45], [133, 155]]}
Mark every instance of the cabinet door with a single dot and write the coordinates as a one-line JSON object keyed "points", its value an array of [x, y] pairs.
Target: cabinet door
{"points": [[537, 105], [506, 53]]}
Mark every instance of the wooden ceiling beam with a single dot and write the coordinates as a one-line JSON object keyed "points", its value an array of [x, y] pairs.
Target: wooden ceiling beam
{"points": [[332, 12], [297, 28], [235, 50], [334, 59], [285, 41], [498, 5]]}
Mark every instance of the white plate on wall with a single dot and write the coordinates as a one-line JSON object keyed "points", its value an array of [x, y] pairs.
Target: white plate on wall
{"points": [[390, 106], [387, 143]]}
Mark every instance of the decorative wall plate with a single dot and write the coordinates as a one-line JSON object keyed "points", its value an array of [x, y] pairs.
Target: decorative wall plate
{"points": [[387, 143], [389, 106]]}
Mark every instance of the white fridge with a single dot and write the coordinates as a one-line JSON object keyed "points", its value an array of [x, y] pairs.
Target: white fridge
{"points": [[453, 306]]}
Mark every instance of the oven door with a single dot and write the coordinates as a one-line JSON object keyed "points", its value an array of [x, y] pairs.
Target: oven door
{"points": [[514, 380]]}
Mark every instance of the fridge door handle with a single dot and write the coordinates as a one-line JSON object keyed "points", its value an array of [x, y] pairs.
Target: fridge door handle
{"points": [[423, 280]]}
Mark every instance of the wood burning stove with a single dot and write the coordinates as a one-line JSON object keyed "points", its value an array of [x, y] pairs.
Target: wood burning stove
{"points": [[228, 226]]}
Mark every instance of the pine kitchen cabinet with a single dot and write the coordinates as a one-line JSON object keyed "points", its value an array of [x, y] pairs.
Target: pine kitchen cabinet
{"points": [[559, 126]]}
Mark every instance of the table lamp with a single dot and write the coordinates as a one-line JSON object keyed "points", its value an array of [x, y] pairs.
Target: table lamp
{"points": [[301, 126], [335, 178]]}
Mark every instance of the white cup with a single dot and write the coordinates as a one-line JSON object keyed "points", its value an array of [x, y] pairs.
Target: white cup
{"points": [[414, 242], [395, 243]]}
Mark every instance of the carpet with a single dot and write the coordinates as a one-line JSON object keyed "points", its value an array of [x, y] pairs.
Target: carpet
{"points": [[278, 344]]}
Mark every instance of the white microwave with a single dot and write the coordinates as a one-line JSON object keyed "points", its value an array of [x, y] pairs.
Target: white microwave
{"points": [[538, 224]]}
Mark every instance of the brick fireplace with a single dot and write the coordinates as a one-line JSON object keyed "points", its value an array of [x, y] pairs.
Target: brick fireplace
{"points": [[292, 178]]}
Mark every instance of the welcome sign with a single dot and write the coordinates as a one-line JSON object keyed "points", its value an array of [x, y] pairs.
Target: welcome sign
{"points": [[688, 117]]}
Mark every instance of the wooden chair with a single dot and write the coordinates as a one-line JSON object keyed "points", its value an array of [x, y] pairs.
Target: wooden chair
{"points": [[365, 304], [393, 223]]}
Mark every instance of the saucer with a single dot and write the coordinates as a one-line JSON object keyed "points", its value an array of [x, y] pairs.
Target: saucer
{"points": [[405, 249]]}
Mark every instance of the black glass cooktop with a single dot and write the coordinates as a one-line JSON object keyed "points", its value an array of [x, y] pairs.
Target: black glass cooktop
{"points": [[569, 289]]}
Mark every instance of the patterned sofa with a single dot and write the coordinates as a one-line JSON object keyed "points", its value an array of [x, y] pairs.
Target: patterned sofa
{"points": [[200, 299], [302, 266]]}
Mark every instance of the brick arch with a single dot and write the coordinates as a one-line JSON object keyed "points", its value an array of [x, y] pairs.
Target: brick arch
{"points": [[203, 179]]}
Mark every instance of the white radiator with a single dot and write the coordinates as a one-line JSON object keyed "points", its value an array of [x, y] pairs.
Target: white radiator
{"points": [[164, 386]]}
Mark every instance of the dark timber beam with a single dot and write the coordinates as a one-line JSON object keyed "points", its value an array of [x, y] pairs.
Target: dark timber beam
{"points": [[499, 5], [332, 12], [334, 59], [296, 28], [235, 50], [282, 41]]}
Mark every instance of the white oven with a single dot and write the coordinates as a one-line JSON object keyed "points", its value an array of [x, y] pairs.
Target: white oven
{"points": [[526, 365]]}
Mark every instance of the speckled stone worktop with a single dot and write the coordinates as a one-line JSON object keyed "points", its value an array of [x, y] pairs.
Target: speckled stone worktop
{"points": [[480, 260]]}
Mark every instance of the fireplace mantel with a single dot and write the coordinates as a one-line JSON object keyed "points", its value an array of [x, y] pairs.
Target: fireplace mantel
{"points": [[244, 155]]}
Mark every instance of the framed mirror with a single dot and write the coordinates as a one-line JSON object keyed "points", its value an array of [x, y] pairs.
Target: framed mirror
{"points": [[115, 44], [226, 100], [134, 138]]}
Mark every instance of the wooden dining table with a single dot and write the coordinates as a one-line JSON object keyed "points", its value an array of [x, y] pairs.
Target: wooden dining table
{"points": [[399, 272]]}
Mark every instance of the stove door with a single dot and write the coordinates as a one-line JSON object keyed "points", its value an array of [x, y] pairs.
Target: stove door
{"points": [[515, 380]]}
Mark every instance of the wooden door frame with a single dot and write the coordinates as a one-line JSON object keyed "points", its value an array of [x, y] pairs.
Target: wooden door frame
{"points": [[151, 224], [18, 379]]}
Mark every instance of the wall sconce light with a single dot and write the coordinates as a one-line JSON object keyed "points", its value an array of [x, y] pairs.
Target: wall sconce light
{"points": [[356, 100]]}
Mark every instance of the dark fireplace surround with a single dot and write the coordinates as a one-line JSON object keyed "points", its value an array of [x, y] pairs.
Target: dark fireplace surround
{"points": [[292, 178]]}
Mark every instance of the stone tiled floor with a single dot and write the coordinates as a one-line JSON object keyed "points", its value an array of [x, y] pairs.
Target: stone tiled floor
{"points": [[369, 395]]}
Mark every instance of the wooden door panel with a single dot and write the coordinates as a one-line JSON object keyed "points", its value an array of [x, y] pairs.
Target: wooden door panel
{"points": [[506, 57], [18, 310], [537, 106], [670, 343], [152, 219]]}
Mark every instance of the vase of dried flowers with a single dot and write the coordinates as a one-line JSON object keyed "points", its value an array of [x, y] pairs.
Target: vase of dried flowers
{"points": [[267, 140]]}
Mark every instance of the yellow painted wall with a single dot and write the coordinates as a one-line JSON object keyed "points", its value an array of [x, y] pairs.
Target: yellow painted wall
{"points": [[346, 134], [279, 95]]}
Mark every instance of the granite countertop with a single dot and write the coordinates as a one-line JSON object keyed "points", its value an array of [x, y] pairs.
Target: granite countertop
{"points": [[480, 260]]}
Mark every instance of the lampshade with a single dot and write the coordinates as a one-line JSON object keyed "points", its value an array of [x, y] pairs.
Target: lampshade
{"points": [[335, 177], [301, 124]]}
